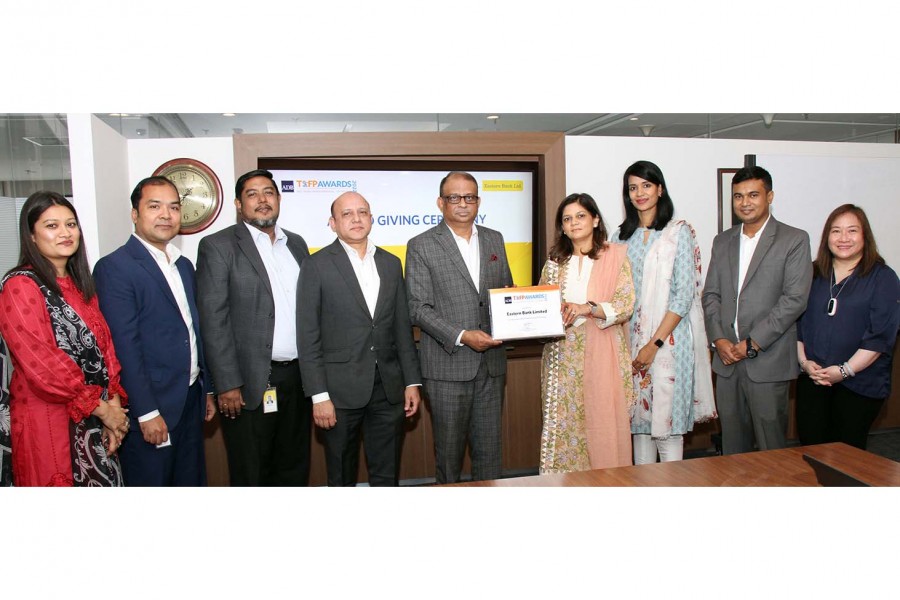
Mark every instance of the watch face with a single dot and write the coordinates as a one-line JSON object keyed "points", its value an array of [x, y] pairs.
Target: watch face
{"points": [[200, 192]]}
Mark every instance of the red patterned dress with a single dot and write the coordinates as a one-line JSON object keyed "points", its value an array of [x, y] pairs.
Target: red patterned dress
{"points": [[47, 387]]}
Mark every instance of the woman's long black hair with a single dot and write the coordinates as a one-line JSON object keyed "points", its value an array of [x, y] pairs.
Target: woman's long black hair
{"points": [[664, 207], [29, 255]]}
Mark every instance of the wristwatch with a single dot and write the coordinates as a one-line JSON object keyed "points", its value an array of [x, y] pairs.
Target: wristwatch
{"points": [[751, 351], [658, 343], [593, 305]]}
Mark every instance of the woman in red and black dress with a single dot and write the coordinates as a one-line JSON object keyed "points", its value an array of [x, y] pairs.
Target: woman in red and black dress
{"points": [[66, 402]]}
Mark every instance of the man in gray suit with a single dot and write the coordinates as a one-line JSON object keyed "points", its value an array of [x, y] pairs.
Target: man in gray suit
{"points": [[357, 353], [756, 288], [449, 270], [247, 297]]}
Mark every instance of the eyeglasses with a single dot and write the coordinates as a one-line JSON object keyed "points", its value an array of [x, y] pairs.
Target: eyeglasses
{"points": [[455, 198]]}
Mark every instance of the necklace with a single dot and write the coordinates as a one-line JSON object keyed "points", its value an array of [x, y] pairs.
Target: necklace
{"points": [[832, 302]]}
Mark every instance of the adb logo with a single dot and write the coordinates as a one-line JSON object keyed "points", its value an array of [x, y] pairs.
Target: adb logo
{"points": [[507, 299], [287, 186]]}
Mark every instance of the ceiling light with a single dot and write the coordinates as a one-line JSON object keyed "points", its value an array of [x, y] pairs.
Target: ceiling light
{"points": [[633, 118], [227, 114], [493, 117]]}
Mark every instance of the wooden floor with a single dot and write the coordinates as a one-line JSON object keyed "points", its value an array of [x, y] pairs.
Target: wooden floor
{"points": [[771, 468]]}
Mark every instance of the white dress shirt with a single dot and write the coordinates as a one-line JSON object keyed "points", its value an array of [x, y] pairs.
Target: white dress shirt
{"points": [[283, 272], [166, 263], [366, 273], [748, 247], [471, 255]]}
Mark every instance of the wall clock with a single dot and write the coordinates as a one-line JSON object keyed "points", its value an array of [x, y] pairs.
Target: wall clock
{"points": [[200, 191]]}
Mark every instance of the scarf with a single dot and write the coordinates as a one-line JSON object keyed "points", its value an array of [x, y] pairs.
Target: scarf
{"points": [[92, 466]]}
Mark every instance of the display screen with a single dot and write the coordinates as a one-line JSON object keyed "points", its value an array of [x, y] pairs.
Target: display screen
{"points": [[404, 204]]}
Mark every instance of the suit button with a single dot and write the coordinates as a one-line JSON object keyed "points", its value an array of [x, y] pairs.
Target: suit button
{"points": [[271, 316], [372, 348], [268, 346], [481, 304]]}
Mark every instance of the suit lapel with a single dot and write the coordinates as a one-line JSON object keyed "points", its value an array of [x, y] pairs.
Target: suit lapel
{"points": [[342, 263], [148, 263], [381, 266], [248, 247], [446, 239], [762, 247], [296, 251], [734, 259], [485, 252]]}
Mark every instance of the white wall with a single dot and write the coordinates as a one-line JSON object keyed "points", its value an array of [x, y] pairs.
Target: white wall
{"points": [[145, 156], [595, 165], [99, 183]]}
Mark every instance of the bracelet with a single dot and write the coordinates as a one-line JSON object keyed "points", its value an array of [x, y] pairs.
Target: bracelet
{"points": [[849, 370], [843, 372], [803, 365]]}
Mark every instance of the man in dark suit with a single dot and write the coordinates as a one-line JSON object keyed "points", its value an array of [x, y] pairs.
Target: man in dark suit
{"points": [[247, 281], [449, 270], [756, 289], [147, 294], [357, 353]]}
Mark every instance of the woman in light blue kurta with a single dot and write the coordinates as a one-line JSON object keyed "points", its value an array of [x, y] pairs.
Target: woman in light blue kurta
{"points": [[668, 341]]}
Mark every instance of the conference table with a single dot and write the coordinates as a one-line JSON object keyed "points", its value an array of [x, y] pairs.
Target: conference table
{"points": [[828, 464]]}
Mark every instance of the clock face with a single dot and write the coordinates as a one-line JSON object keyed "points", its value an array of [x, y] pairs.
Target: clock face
{"points": [[199, 189]]}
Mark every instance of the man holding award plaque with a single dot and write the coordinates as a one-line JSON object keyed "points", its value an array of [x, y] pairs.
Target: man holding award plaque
{"points": [[449, 272]]}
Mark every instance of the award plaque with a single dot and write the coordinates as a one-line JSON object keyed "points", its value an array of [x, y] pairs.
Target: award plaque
{"points": [[526, 312]]}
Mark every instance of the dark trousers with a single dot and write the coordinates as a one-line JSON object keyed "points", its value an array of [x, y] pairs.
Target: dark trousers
{"points": [[381, 423], [750, 410], [461, 410], [834, 414], [182, 463], [272, 449]]}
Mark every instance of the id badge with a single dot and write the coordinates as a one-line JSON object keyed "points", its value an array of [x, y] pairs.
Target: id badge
{"points": [[270, 400]]}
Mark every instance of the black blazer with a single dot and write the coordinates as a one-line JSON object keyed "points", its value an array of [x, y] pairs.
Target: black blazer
{"points": [[338, 340]]}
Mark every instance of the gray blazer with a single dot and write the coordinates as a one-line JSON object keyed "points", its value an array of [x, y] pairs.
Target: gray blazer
{"points": [[443, 301], [773, 297], [237, 310], [339, 341]]}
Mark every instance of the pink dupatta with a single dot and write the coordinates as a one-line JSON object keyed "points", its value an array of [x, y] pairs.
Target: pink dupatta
{"points": [[608, 387]]}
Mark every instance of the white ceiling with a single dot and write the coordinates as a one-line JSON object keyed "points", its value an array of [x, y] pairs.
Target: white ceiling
{"points": [[867, 127], [46, 156]]}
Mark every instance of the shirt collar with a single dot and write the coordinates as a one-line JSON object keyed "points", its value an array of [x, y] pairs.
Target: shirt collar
{"points": [[351, 251], [758, 233], [171, 254], [459, 237], [256, 233]]}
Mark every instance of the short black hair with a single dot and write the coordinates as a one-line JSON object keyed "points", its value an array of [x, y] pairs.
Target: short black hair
{"points": [[461, 174], [239, 184], [155, 180], [748, 173]]}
